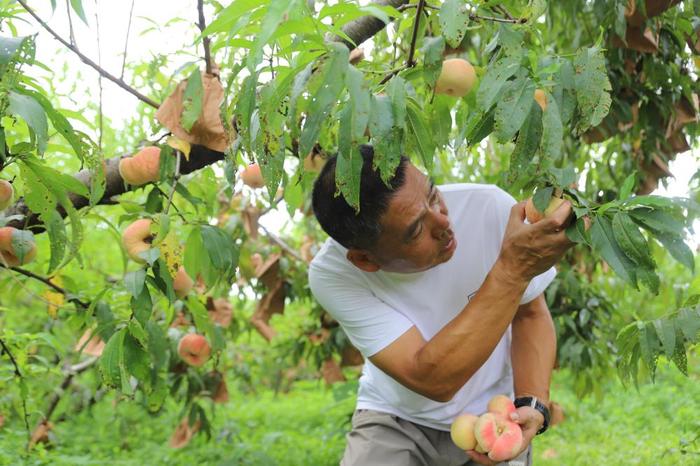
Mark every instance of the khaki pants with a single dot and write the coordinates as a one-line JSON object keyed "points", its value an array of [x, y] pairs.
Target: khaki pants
{"points": [[382, 439]]}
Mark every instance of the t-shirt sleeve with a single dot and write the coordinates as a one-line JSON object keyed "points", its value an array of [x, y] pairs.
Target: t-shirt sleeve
{"points": [[370, 324], [504, 202]]}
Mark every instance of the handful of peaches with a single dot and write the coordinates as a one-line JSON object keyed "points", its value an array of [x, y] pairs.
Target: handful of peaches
{"points": [[492, 433]]}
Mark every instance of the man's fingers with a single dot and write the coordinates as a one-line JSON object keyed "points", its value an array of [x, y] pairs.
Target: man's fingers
{"points": [[517, 212]]}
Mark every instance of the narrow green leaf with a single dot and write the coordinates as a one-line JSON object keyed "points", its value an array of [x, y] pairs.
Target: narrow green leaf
{"points": [[480, 126], [349, 164], [666, 331], [111, 359], [134, 281], [136, 360], [192, 101], [676, 246], [552, 130], [604, 244], [322, 103], [525, 146], [30, 111], [78, 8], [542, 197], [628, 186], [631, 240], [513, 107], [495, 78], [422, 137], [657, 220], [592, 87]]}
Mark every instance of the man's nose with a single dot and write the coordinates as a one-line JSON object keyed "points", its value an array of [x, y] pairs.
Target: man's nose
{"points": [[440, 224]]}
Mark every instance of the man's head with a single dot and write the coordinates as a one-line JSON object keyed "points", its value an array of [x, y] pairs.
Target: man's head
{"points": [[403, 227]]}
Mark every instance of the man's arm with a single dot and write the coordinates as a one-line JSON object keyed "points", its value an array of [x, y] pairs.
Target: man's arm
{"points": [[533, 350], [438, 368]]}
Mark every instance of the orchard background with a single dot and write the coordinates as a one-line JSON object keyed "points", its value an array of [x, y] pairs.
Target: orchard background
{"points": [[90, 328]]}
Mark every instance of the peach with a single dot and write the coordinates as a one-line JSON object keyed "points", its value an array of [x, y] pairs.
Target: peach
{"points": [[457, 78], [182, 283], [252, 177], [541, 99], [502, 438], [194, 349], [501, 404], [533, 215], [143, 167], [462, 431], [137, 238], [17, 247], [7, 194]]}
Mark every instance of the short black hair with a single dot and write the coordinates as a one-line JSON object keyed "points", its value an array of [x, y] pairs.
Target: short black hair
{"points": [[359, 230]]}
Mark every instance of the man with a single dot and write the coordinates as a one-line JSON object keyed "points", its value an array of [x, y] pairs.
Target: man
{"points": [[426, 283]]}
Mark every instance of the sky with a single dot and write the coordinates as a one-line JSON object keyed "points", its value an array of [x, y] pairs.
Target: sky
{"points": [[151, 31]]}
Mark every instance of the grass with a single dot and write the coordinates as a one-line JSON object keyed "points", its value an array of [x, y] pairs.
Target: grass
{"points": [[307, 427]]}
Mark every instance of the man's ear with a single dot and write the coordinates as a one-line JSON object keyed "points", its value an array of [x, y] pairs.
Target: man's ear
{"points": [[363, 260]]}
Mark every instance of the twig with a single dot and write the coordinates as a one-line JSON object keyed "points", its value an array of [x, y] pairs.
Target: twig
{"points": [[280, 242], [126, 40], [89, 62], [475, 17], [71, 34], [205, 39], [176, 177], [49, 283], [414, 37], [503, 11], [410, 63], [5, 349], [18, 373], [99, 80]]}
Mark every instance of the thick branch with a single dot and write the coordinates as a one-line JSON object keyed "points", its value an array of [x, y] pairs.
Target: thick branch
{"points": [[200, 157], [89, 62], [363, 28]]}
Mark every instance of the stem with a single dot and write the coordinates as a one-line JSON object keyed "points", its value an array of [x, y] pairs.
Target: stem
{"points": [[126, 40], [414, 37], [89, 62], [49, 283], [176, 177], [205, 39], [18, 373], [475, 17], [276, 239]]}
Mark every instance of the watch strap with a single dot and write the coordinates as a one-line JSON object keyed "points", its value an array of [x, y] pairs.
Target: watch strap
{"points": [[534, 403]]}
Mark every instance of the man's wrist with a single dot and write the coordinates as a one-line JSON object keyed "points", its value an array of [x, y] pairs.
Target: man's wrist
{"points": [[535, 404], [505, 274]]}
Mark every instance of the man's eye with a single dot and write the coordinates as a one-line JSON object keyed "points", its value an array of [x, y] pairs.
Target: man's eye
{"points": [[416, 235]]}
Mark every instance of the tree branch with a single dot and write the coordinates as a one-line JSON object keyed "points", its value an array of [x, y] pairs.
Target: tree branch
{"points": [[89, 62], [50, 284], [363, 28], [5, 349], [205, 39], [414, 36]]}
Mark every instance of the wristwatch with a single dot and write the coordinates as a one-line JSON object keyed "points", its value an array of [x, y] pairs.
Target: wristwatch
{"points": [[534, 403]]}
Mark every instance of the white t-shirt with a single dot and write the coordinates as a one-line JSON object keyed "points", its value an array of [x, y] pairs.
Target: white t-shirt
{"points": [[375, 308]]}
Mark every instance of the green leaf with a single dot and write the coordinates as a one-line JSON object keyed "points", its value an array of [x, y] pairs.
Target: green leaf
{"points": [[454, 18], [689, 323], [78, 8], [192, 101], [142, 306], [136, 359], [510, 39], [480, 126], [56, 181], [422, 138], [647, 345], [432, 58], [680, 251], [525, 146], [276, 11], [495, 78], [592, 87], [157, 344], [666, 331], [111, 359], [134, 282], [360, 101], [9, 46], [513, 107], [631, 240], [604, 243], [325, 99], [552, 131], [542, 197], [220, 248], [30, 111], [628, 186], [657, 220], [195, 254], [200, 315], [56, 228], [349, 163]]}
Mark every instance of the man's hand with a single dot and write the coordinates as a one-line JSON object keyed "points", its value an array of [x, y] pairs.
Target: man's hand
{"points": [[529, 250], [530, 421]]}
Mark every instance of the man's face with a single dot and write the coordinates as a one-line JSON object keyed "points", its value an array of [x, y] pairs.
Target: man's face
{"points": [[417, 234]]}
